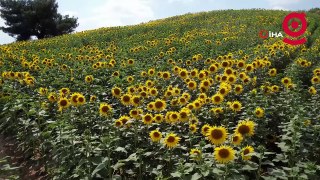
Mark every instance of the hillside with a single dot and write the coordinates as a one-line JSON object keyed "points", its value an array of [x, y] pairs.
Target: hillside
{"points": [[197, 96]]}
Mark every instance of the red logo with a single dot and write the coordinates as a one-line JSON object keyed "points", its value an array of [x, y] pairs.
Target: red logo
{"points": [[295, 25], [264, 34]]}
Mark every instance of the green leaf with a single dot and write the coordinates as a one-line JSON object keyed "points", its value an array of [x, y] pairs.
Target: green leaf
{"points": [[98, 168], [217, 171], [176, 174], [118, 165], [121, 149], [196, 176]]}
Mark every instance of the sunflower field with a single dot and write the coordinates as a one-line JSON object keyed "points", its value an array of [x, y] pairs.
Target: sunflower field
{"points": [[197, 96]]}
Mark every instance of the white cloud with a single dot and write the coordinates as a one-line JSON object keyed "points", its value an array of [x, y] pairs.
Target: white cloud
{"points": [[5, 38], [279, 8], [275, 3], [180, 1], [70, 13], [117, 13]]}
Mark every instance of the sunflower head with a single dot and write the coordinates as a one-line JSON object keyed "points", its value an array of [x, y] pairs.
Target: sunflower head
{"points": [[158, 118], [236, 139], [217, 135], [245, 127], [236, 106], [63, 103], [105, 109], [205, 129], [224, 154], [246, 150], [196, 154], [126, 99], [259, 112], [312, 90], [147, 119], [159, 105], [116, 92], [155, 135], [88, 79], [193, 128], [171, 140], [217, 98]]}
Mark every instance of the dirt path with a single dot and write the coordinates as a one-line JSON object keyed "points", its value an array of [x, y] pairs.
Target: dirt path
{"points": [[27, 170]]}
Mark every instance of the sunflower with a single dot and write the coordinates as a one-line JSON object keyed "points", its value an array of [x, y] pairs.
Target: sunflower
{"points": [[153, 91], [217, 98], [238, 89], [151, 72], [315, 80], [130, 79], [190, 106], [74, 99], [134, 113], [232, 79], [236, 139], [174, 117], [116, 74], [124, 119], [245, 127], [195, 154], [224, 89], [158, 118], [217, 135], [217, 111], [160, 105], [155, 135], [166, 75], [245, 151], [171, 140], [224, 154], [118, 123], [312, 90], [52, 97], [286, 81], [259, 112], [183, 73], [147, 119], [42, 91], [205, 128], [126, 99], [182, 101], [275, 88], [63, 103], [236, 106], [143, 73], [64, 92], [184, 114], [93, 98], [193, 128], [116, 92], [249, 68], [150, 106], [273, 72], [81, 100], [105, 109], [89, 79], [192, 85], [176, 91], [135, 100]]}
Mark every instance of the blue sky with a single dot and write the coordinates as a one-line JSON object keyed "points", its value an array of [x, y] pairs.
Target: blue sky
{"points": [[103, 13]]}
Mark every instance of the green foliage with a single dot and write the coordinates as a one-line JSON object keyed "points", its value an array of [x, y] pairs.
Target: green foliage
{"points": [[26, 18]]}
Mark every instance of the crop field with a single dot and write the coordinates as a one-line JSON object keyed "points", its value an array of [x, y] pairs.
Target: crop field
{"points": [[197, 96]]}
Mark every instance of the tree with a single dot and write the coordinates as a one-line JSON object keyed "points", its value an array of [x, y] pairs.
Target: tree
{"points": [[26, 18]]}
